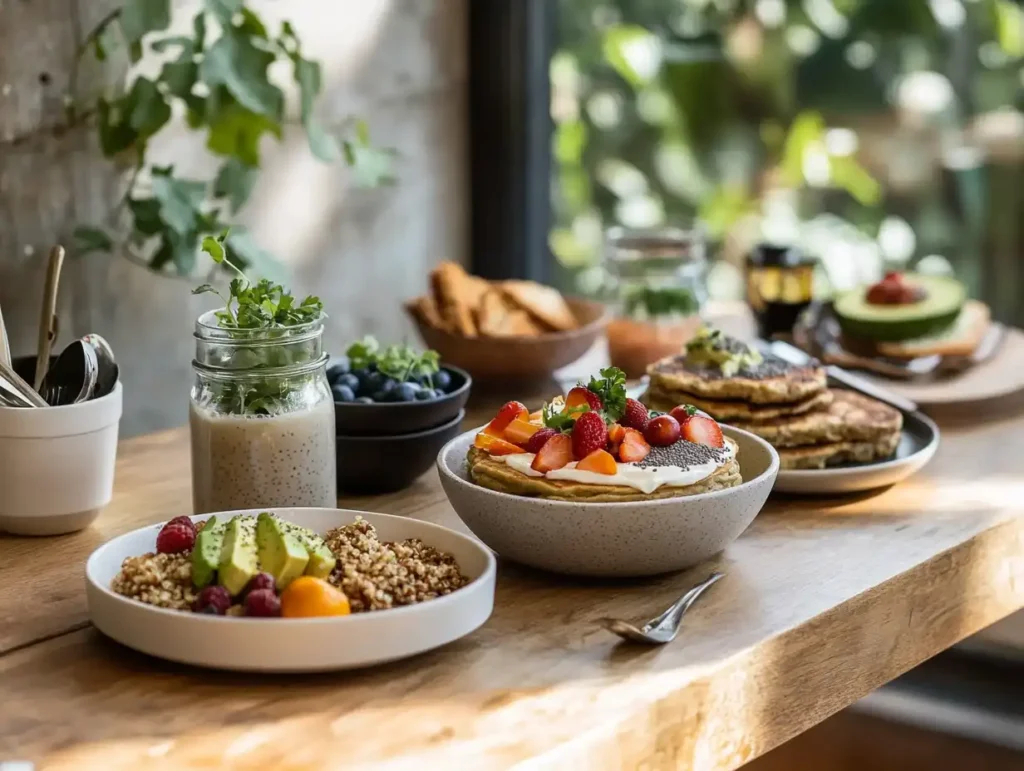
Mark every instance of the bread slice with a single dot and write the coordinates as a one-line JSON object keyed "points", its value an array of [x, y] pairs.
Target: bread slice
{"points": [[456, 297], [961, 339], [424, 310], [545, 304], [497, 317]]}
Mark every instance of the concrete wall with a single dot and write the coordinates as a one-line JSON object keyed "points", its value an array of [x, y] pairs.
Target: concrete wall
{"points": [[401, 64]]}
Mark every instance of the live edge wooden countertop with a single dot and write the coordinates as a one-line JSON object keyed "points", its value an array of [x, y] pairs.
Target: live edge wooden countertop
{"points": [[823, 601]]}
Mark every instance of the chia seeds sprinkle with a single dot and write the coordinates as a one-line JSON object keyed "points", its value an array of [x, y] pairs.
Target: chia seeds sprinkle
{"points": [[683, 454], [771, 366]]}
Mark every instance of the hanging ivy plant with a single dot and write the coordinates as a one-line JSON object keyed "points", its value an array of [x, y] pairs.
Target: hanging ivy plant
{"points": [[218, 77]]}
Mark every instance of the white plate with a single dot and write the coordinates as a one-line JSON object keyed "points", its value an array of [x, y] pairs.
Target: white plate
{"points": [[918, 442], [296, 645]]}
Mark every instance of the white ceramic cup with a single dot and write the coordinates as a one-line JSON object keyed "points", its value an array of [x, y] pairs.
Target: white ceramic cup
{"points": [[57, 465]]}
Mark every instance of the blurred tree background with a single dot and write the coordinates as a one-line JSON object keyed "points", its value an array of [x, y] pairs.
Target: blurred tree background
{"points": [[874, 133]]}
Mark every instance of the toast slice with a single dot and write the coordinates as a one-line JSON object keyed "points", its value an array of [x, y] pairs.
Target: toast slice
{"points": [[961, 339], [543, 303], [454, 295], [497, 317], [425, 311]]}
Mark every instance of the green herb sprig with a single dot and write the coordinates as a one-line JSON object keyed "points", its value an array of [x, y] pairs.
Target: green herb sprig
{"points": [[654, 302], [400, 362], [561, 421], [610, 387]]}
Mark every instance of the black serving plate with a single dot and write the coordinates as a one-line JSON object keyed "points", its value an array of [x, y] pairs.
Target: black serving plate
{"points": [[383, 464], [400, 418]]}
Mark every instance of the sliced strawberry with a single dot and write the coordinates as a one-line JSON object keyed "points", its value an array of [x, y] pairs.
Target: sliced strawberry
{"points": [[495, 446], [539, 439], [588, 434], [635, 415], [600, 462], [556, 453], [580, 396], [509, 412], [634, 447], [703, 430], [519, 431]]}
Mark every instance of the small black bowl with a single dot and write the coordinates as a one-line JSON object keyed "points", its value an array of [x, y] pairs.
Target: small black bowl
{"points": [[368, 465], [401, 418]]}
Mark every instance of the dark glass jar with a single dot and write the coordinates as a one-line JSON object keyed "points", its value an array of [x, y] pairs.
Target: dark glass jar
{"points": [[780, 282]]}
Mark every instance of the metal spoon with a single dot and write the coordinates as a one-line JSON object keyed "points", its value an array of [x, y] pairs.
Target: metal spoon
{"points": [[16, 388], [663, 628], [5, 346], [108, 371], [72, 378]]}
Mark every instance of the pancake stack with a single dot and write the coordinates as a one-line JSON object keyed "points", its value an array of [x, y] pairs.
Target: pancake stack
{"points": [[812, 426]]}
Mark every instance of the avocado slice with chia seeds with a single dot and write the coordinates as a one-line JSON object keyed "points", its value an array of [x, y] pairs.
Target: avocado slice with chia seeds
{"points": [[280, 552], [206, 552], [321, 559], [238, 558]]}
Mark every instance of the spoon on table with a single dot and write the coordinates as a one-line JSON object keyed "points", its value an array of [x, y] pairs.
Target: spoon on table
{"points": [[663, 628], [72, 378], [107, 372]]}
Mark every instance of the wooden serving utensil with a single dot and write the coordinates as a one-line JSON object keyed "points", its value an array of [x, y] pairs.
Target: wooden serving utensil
{"points": [[48, 322]]}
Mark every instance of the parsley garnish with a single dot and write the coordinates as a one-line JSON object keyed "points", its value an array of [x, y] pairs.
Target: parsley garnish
{"points": [[260, 306], [400, 362], [561, 421], [611, 387]]}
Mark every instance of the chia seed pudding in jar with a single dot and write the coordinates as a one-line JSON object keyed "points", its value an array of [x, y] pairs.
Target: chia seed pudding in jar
{"points": [[262, 417]]}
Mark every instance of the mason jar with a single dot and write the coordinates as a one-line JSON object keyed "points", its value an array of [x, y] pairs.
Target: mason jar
{"points": [[262, 418], [658, 278]]}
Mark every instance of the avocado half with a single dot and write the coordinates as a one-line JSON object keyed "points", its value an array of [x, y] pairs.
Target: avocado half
{"points": [[894, 323]]}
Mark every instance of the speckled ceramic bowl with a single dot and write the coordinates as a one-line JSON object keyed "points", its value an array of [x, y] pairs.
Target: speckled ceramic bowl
{"points": [[611, 539]]}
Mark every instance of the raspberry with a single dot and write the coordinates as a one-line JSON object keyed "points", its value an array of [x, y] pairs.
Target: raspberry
{"points": [[187, 521], [538, 440], [590, 433], [635, 415], [260, 581], [216, 597], [175, 537], [262, 603]]}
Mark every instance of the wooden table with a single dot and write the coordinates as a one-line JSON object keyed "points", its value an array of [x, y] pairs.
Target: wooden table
{"points": [[823, 601]]}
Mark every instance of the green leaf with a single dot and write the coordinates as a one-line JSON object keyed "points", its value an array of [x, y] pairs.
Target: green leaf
{"points": [[184, 252], [251, 24], [199, 30], [179, 202], [235, 181], [1010, 28], [223, 10], [308, 77], [561, 420], [623, 44], [180, 76], [241, 247], [150, 111], [236, 131], [205, 288], [213, 247], [370, 166], [146, 213], [234, 62], [611, 387], [174, 40], [116, 134], [323, 145], [88, 239], [139, 17]]}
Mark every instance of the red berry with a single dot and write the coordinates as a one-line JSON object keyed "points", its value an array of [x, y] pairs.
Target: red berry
{"points": [[588, 434], [263, 603], [216, 597], [682, 413], [893, 275], [579, 395], [662, 431], [703, 430], [187, 521], [175, 537], [635, 415], [634, 447], [509, 412], [260, 581], [539, 439]]}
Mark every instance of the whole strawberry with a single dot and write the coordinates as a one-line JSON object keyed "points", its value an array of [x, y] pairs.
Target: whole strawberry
{"points": [[635, 415], [539, 439], [588, 434], [580, 395]]}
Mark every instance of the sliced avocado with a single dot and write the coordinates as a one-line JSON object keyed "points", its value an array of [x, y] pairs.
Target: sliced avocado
{"points": [[711, 347], [238, 557], [206, 552], [944, 298], [321, 559], [280, 553]]}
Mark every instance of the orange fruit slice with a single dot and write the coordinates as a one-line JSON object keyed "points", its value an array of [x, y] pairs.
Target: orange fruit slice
{"points": [[309, 597]]}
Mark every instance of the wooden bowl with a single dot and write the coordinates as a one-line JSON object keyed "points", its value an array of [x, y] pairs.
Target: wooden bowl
{"points": [[519, 358]]}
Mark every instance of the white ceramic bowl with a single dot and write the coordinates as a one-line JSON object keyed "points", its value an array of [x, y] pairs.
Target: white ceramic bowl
{"points": [[611, 539], [295, 645], [57, 465]]}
